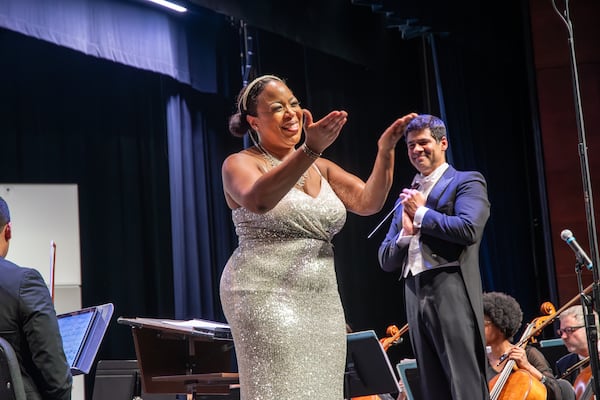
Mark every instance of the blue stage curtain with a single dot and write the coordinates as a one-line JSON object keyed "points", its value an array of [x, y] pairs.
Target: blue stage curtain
{"points": [[202, 235], [129, 33], [188, 250]]}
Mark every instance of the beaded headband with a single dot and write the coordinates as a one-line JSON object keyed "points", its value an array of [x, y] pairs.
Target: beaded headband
{"points": [[242, 106]]}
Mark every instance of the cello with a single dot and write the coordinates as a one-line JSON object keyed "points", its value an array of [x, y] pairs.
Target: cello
{"points": [[583, 389], [515, 383]]}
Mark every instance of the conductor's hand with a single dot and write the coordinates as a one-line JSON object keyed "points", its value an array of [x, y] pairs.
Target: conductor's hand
{"points": [[411, 200], [393, 133], [321, 134], [408, 229]]}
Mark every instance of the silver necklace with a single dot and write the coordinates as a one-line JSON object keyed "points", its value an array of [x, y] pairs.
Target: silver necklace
{"points": [[274, 161]]}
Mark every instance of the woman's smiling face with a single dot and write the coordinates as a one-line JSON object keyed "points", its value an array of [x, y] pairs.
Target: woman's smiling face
{"points": [[279, 116]]}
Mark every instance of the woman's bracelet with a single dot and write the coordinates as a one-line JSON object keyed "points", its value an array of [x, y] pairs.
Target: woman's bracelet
{"points": [[309, 152]]}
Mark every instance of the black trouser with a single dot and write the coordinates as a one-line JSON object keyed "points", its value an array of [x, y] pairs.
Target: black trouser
{"points": [[445, 337]]}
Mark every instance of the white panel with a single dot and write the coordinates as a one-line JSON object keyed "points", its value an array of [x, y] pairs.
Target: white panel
{"points": [[78, 392], [67, 298], [41, 214]]}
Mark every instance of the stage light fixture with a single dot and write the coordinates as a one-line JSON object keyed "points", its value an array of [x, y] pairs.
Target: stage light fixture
{"points": [[169, 5]]}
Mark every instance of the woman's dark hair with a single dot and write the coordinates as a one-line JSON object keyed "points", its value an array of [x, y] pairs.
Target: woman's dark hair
{"points": [[504, 312], [246, 104]]}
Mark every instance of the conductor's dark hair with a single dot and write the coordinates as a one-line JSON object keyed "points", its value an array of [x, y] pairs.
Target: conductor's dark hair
{"points": [[504, 312], [423, 121]]}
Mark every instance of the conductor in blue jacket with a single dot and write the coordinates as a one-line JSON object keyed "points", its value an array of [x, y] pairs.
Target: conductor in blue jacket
{"points": [[434, 241], [28, 322]]}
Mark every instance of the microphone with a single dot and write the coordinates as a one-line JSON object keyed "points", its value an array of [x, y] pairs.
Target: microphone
{"points": [[582, 257]]}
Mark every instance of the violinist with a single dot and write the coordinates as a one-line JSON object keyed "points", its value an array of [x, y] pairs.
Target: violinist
{"points": [[573, 334], [502, 319]]}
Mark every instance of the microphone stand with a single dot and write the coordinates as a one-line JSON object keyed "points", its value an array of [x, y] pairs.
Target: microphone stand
{"points": [[591, 329], [589, 203]]}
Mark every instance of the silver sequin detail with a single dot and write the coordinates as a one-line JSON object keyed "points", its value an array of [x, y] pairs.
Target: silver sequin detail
{"points": [[280, 296]]}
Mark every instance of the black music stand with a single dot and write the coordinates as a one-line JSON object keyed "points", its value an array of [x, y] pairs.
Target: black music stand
{"points": [[368, 369], [407, 369]]}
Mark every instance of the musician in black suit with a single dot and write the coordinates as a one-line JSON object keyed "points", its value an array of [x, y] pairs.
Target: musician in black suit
{"points": [[572, 332], [28, 322], [434, 241]]}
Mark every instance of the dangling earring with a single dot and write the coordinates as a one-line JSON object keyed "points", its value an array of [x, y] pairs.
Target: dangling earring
{"points": [[254, 140]]}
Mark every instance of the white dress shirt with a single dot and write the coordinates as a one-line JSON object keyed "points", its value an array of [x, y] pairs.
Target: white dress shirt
{"points": [[415, 262]]}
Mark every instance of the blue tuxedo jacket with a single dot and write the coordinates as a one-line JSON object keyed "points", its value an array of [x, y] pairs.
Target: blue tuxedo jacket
{"points": [[451, 231]]}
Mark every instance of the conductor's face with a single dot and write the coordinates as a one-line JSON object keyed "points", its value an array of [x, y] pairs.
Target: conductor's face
{"points": [[424, 152]]}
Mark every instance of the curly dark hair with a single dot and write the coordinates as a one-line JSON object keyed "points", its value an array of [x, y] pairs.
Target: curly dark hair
{"points": [[504, 312]]}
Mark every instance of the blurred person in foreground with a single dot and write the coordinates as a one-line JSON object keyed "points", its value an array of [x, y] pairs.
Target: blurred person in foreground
{"points": [[28, 322]]}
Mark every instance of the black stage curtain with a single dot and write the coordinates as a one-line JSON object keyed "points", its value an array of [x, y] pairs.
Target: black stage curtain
{"points": [[485, 75], [70, 118]]}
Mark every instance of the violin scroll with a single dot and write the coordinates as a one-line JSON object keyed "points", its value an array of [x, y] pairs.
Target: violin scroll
{"points": [[394, 335], [391, 330]]}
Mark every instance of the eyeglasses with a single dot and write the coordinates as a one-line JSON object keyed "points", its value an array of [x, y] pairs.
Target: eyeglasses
{"points": [[568, 330]]}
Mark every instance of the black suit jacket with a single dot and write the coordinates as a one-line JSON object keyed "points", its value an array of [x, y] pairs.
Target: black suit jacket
{"points": [[28, 322], [564, 363]]}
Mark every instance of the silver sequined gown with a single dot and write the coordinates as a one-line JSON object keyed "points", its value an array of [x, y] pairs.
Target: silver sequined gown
{"points": [[280, 296]]}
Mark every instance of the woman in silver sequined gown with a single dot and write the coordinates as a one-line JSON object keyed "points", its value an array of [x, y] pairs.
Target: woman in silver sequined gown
{"points": [[279, 290]]}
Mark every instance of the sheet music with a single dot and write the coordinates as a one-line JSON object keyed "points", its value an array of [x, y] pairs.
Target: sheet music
{"points": [[73, 330], [198, 323]]}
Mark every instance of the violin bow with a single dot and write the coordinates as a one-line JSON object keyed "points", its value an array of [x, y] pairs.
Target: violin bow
{"points": [[52, 267], [552, 317]]}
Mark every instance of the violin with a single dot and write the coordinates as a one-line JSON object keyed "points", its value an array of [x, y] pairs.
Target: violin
{"points": [[515, 383], [393, 336]]}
